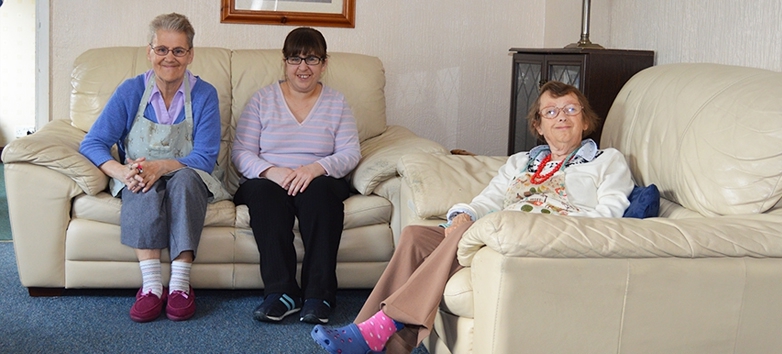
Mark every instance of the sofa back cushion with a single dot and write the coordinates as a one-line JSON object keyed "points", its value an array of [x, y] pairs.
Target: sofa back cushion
{"points": [[360, 78], [236, 75], [98, 72], [708, 135]]}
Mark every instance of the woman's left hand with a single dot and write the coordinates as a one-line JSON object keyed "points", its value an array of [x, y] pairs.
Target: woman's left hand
{"points": [[151, 171], [298, 180], [148, 174]]}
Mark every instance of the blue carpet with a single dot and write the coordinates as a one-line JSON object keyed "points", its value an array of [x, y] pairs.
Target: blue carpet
{"points": [[97, 321]]}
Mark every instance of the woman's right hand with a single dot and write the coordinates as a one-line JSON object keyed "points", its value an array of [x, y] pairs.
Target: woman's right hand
{"points": [[127, 173], [277, 175], [131, 172], [456, 221]]}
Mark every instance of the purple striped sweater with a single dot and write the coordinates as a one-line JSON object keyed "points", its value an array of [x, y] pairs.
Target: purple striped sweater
{"points": [[268, 135]]}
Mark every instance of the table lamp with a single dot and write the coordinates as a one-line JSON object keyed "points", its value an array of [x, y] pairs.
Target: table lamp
{"points": [[584, 42]]}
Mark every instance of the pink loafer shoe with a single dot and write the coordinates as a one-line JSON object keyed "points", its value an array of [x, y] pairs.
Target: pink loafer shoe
{"points": [[148, 306], [181, 305]]}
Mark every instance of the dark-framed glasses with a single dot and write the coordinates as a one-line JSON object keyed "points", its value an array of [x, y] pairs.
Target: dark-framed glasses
{"points": [[552, 112], [162, 51], [310, 60]]}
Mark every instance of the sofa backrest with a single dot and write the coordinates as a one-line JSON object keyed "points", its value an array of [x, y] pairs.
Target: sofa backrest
{"points": [[708, 135], [236, 75]]}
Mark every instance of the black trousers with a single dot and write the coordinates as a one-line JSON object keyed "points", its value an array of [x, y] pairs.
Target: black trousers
{"points": [[320, 212]]}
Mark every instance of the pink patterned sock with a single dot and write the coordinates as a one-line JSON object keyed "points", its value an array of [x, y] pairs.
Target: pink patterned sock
{"points": [[377, 329]]}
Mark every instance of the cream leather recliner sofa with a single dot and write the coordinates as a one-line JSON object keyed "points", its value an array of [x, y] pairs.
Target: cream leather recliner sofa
{"points": [[66, 227], [704, 277]]}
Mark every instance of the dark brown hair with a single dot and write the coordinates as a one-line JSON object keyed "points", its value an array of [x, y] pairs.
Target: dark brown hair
{"points": [[558, 89], [305, 41]]}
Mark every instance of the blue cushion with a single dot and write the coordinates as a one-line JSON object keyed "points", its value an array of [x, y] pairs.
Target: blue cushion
{"points": [[644, 202]]}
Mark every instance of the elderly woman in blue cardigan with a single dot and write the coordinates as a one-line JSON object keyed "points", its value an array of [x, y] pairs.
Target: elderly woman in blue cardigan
{"points": [[166, 125]]}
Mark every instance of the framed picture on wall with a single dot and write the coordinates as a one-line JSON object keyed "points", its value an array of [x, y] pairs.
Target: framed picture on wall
{"points": [[329, 13]]}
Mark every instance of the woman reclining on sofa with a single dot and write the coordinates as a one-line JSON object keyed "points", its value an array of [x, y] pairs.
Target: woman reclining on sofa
{"points": [[569, 176]]}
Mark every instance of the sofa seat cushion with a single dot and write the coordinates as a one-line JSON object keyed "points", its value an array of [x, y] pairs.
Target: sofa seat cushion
{"points": [[364, 244], [93, 241], [360, 210], [105, 208]]}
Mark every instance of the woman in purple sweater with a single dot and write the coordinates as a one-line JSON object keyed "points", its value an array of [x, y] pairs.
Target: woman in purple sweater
{"points": [[295, 142], [166, 125]]}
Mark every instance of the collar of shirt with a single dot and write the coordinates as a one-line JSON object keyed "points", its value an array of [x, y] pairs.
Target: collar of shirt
{"points": [[586, 153], [163, 115]]}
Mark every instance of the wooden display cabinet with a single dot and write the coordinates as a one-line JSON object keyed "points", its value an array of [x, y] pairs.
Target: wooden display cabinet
{"points": [[598, 73]]}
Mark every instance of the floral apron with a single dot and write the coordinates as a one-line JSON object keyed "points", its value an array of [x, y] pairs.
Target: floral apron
{"points": [[545, 198], [161, 141]]}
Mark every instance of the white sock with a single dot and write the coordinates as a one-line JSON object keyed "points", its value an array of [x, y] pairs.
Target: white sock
{"points": [[180, 277], [150, 274]]}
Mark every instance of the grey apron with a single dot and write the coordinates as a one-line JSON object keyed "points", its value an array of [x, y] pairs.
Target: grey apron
{"points": [[161, 141]]}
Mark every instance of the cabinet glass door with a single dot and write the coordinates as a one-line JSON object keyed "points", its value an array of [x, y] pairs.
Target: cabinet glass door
{"points": [[528, 75], [530, 72], [569, 74]]}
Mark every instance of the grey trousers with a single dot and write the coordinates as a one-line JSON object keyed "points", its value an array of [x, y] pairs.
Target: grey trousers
{"points": [[170, 215]]}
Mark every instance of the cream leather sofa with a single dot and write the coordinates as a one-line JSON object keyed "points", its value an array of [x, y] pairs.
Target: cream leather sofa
{"points": [[66, 227], [704, 277]]}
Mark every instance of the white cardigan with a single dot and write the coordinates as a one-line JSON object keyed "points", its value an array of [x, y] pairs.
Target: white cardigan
{"points": [[599, 187]]}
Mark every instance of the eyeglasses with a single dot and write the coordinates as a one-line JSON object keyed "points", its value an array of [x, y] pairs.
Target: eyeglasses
{"points": [[552, 112], [163, 51], [310, 60]]}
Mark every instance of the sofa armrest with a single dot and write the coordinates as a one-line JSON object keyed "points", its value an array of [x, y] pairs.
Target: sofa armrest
{"points": [[518, 234], [432, 184], [56, 146], [39, 209], [379, 156]]}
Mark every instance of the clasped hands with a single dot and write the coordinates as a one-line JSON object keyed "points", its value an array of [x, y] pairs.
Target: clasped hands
{"points": [[140, 175], [294, 181]]}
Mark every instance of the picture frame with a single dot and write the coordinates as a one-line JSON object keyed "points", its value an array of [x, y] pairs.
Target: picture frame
{"points": [[315, 13]]}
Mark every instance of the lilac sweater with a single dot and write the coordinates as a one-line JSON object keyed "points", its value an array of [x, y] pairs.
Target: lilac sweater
{"points": [[268, 135]]}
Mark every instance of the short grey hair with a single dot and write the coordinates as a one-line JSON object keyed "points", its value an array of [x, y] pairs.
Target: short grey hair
{"points": [[172, 22]]}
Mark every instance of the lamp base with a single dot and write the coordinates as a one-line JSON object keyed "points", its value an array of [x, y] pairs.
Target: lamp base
{"points": [[584, 44]]}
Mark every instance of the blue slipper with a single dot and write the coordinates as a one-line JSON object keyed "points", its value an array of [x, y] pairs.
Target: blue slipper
{"points": [[343, 340]]}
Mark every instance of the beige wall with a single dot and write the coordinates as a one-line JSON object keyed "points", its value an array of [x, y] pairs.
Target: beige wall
{"points": [[17, 67], [447, 61], [563, 22], [745, 33]]}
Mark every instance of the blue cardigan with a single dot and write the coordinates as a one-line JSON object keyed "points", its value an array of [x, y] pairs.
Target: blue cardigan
{"points": [[114, 123]]}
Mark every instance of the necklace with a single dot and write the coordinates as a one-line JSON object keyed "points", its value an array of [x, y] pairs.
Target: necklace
{"points": [[537, 178]]}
